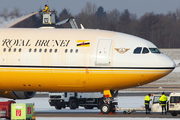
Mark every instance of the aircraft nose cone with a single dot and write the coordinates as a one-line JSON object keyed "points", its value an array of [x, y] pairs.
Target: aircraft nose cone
{"points": [[168, 62], [172, 63]]}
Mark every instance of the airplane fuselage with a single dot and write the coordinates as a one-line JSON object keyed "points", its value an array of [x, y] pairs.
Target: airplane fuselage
{"points": [[48, 59]]}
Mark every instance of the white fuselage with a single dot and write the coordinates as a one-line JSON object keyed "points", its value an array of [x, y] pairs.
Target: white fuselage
{"points": [[81, 60]]}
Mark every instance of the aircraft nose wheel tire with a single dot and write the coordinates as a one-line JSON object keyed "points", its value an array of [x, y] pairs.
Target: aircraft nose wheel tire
{"points": [[105, 108]]}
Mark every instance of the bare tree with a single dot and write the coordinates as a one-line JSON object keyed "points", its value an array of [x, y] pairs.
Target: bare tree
{"points": [[89, 9], [87, 16], [5, 14], [112, 19], [15, 13]]}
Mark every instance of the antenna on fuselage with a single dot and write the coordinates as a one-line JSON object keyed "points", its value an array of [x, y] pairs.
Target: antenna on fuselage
{"points": [[82, 27]]}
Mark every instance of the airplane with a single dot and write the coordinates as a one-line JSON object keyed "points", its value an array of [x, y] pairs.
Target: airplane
{"points": [[48, 59]]}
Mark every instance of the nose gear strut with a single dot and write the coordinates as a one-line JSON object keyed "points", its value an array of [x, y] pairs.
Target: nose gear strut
{"points": [[108, 107]]}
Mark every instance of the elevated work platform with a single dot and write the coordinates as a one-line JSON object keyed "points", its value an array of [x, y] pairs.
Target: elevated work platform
{"points": [[49, 18]]}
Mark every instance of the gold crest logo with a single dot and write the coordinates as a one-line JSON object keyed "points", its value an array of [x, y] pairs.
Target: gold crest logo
{"points": [[121, 50]]}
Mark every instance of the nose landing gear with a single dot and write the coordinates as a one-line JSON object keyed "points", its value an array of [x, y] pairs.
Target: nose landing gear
{"points": [[108, 107]]}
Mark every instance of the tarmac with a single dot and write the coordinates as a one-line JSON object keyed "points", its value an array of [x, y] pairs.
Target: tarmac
{"points": [[96, 112]]}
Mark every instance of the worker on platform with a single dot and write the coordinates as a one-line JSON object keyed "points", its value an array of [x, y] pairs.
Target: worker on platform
{"points": [[162, 101], [46, 9], [147, 101]]}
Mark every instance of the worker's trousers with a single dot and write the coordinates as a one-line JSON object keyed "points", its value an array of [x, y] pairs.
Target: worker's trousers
{"points": [[163, 108], [147, 109]]}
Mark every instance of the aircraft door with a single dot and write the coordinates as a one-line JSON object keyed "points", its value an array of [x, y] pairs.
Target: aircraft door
{"points": [[103, 55]]}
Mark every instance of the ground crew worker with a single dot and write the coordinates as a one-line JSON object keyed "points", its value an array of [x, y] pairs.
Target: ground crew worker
{"points": [[162, 101], [46, 9], [146, 102]]}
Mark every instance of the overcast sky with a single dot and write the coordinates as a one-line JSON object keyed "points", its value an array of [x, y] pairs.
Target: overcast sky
{"points": [[138, 7]]}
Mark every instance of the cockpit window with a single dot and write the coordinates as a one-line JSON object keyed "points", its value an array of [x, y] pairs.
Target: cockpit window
{"points": [[154, 50], [145, 50], [138, 50]]}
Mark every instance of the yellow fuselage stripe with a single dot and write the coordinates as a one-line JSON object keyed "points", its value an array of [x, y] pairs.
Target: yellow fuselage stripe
{"points": [[74, 80]]}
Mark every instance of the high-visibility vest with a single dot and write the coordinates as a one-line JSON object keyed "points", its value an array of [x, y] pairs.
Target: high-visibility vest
{"points": [[146, 100], [46, 9], [162, 100]]}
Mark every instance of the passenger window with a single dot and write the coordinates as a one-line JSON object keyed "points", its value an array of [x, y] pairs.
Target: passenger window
{"points": [[55, 50], [9, 50], [138, 50], [19, 49], [14, 49], [4, 49], [45, 50], [76, 50], [30, 50], [34, 50], [66, 50], [40, 50], [71, 50], [50, 50], [145, 50]]}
